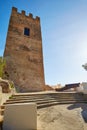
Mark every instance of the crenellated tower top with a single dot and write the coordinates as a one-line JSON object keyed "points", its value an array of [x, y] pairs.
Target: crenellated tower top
{"points": [[23, 13]]}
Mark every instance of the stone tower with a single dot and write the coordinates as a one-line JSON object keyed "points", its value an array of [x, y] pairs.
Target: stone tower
{"points": [[23, 52]]}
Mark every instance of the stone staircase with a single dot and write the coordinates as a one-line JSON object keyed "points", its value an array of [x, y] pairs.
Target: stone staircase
{"points": [[46, 99]]}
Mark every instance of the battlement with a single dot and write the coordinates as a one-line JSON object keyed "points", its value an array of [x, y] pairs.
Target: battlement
{"points": [[15, 10]]}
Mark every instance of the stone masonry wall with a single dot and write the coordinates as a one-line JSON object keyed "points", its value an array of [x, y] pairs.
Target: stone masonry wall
{"points": [[23, 53]]}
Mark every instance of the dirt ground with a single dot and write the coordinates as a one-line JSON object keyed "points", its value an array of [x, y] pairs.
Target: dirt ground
{"points": [[63, 117]]}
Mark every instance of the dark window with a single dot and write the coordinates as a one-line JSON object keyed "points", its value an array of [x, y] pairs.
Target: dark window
{"points": [[27, 31]]}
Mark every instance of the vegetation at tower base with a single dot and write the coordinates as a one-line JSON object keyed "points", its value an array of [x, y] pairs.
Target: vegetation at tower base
{"points": [[2, 66], [5, 84]]}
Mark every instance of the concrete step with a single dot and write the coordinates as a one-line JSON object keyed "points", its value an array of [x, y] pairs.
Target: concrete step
{"points": [[1, 122], [18, 97], [38, 98], [30, 99], [49, 95], [2, 111], [2, 106], [48, 98], [47, 103], [24, 101], [43, 101], [58, 103], [44, 93]]}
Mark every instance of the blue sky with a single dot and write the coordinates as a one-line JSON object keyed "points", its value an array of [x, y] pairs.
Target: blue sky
{"points": [[64, 34]]}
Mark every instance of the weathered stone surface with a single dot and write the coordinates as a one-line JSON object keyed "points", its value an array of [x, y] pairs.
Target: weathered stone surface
{"points": [[47, 88], [23, 54], [4, 84]]}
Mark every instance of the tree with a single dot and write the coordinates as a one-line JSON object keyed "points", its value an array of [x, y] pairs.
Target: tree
{"points": [[2, 65]]}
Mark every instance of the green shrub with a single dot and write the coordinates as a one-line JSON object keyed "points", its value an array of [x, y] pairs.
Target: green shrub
{"points": [[2, 65]]}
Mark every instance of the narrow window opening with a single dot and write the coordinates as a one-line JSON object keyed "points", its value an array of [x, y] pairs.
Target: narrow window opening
{"points": [[27, 31]]}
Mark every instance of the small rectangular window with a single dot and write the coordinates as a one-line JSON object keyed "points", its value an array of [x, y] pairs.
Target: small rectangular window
{"points": [[27, 31]]}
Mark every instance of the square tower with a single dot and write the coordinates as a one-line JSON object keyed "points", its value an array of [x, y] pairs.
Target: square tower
{"points": [[23, 52]]}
